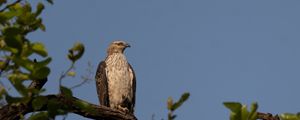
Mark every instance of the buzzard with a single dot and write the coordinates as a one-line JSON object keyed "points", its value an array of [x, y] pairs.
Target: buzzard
{"points": [[115, 79]]}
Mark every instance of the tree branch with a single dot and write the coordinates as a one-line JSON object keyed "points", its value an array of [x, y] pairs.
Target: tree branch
{"points": [[37, 84], [267, 116], [16, 111], [74, 105], [12, 4]]}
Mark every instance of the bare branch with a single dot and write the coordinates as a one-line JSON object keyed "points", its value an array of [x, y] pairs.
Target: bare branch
{"points": [[267, 116], [64, 74], [80, 84], [89, 76]]}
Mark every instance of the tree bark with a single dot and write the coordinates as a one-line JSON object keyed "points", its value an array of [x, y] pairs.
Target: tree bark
{"points": [[267, 116], [75, 105]]}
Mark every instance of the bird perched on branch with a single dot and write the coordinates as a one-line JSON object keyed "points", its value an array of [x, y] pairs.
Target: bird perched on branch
{"points": [[115, 79]]}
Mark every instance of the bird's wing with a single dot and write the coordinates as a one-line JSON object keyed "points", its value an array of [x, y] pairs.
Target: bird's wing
{"points": [[133, 86], [102, 84]]}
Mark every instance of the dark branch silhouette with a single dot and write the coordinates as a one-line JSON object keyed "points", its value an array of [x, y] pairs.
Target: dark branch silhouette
{"points": [[12, 4], [267, 116], [75, 105]]}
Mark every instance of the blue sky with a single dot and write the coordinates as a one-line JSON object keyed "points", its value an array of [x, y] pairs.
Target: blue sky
{"points": [[217, 50]]}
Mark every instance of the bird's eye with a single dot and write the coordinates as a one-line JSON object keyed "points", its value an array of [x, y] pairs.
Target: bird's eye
{"points": [[119, 44]]}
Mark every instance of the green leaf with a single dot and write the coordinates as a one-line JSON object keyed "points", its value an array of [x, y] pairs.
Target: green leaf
{"points": [[42, 63], [39, 8], [27, 18], [2, 92], [42, 27], [235, 116], [24, 62], [240, 112], [233, 106], [17, 6], [53, 106], [170, 103], [16, 79], [27, 7], [13, 37], [289, 116], [37, 23], [40, 49], [40, 116], [34, 91], [3, 64], [39, 102], [26, 50], [76, 52], [71, 73], [5, 16], [6, 48], [245, 113], [253, 113], [2, 43], [40, 73], [66, 91], [182, 99]]}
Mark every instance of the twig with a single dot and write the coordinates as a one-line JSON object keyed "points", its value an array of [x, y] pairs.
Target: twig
{"points": [[37, 84], [267, 116], [64, 74], [12, 4], [85, 78], [80, 84]]}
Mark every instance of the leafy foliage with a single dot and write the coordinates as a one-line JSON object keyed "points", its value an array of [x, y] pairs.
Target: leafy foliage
{"points": [[38, 102], [289, 116], [76, 52], [17, 20], [172, 106], [40, 116], [240, 112], [66, 91]]}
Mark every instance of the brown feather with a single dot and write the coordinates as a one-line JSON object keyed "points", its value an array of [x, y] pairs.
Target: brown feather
{"points": [[134, 89], [102, 84]]}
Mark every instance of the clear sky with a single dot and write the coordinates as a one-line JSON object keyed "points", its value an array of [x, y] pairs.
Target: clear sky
{"points": [[218, 50]]}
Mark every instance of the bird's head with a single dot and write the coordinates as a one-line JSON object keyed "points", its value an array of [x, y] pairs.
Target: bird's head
{"points": [[117, 47]]}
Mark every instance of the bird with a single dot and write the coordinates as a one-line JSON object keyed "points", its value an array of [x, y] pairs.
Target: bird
{"points": [[115, 79]]}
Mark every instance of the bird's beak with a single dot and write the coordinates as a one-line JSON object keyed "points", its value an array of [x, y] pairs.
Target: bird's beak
{"points": [[127, 45]]}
